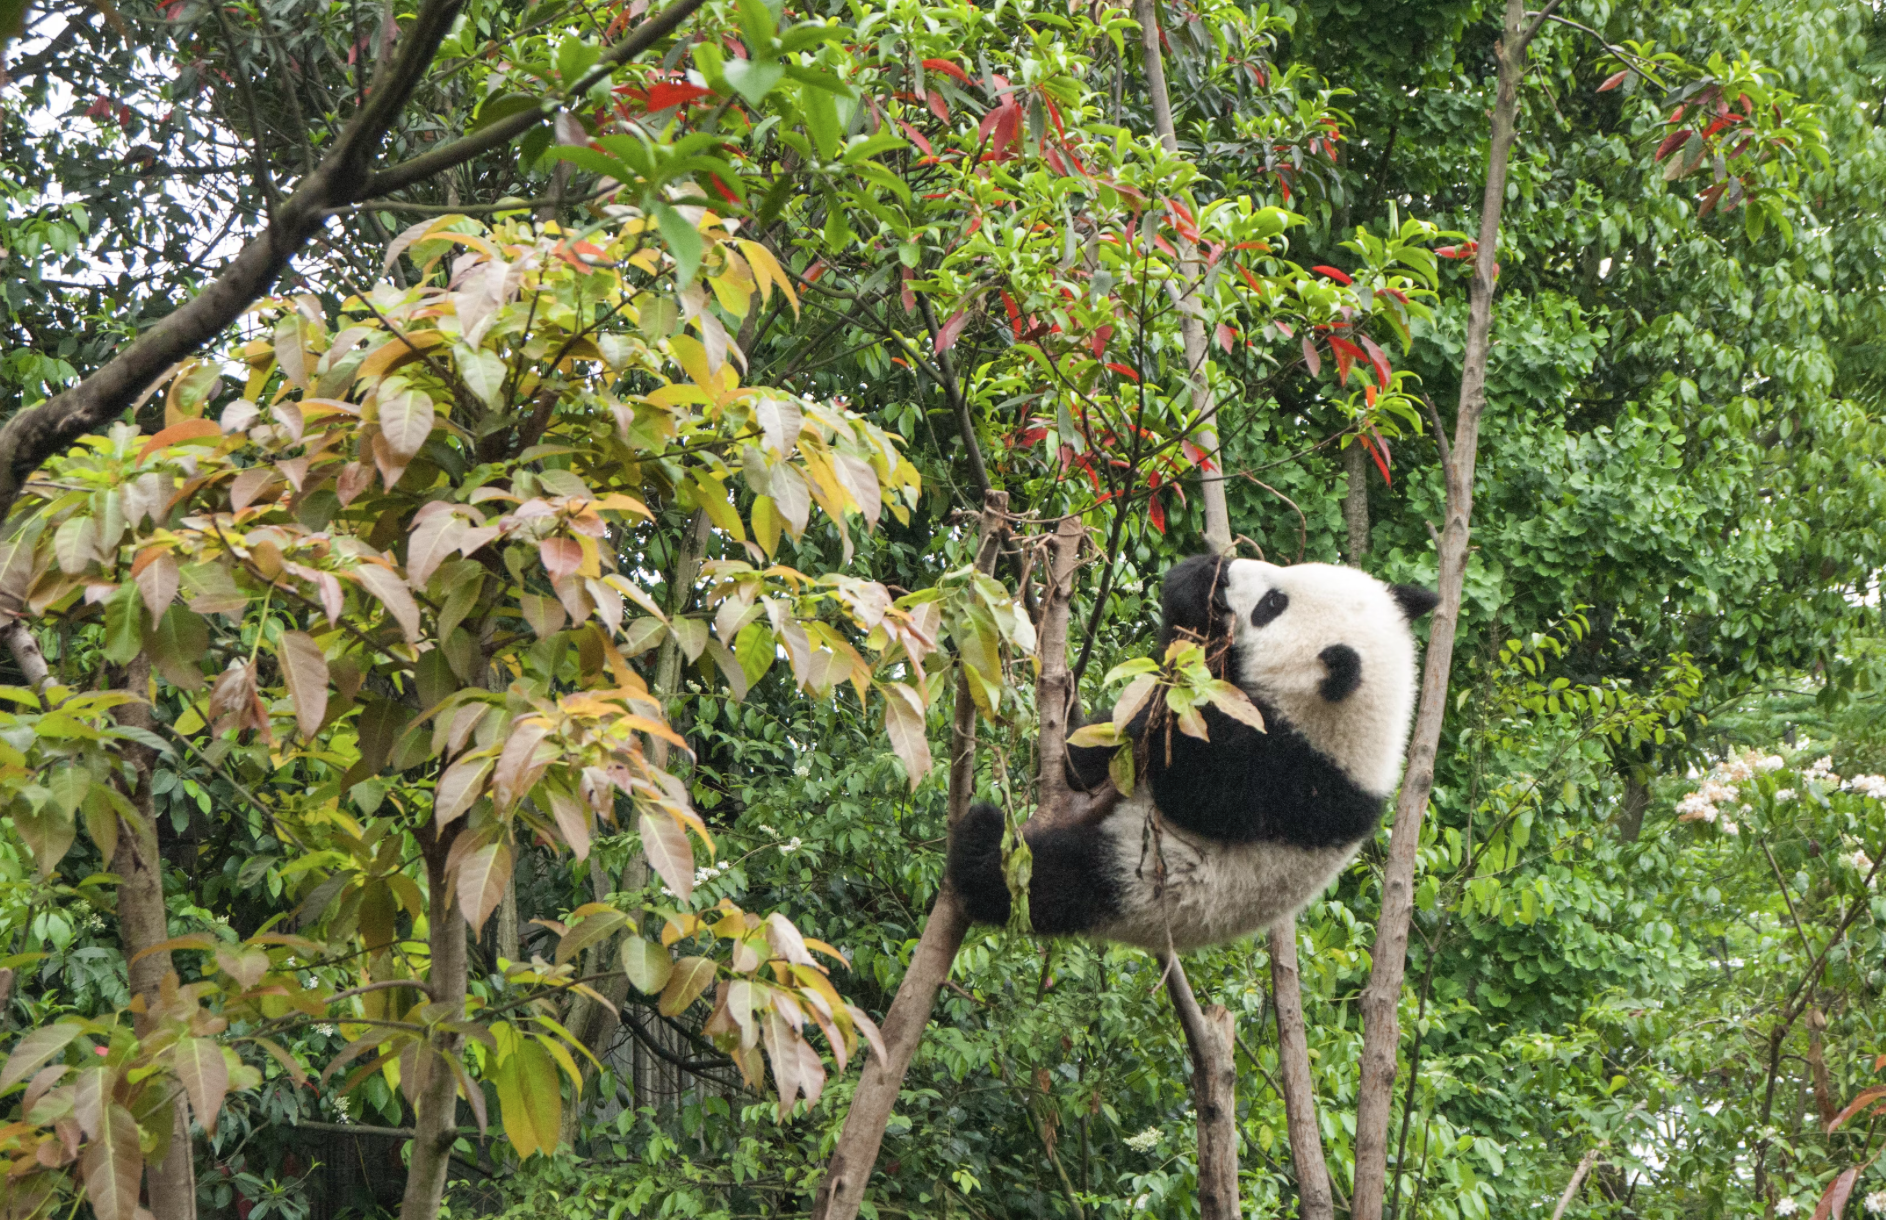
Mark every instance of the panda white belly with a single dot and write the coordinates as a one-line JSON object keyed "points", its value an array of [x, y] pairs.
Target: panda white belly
{"points": [[1207, 892]]}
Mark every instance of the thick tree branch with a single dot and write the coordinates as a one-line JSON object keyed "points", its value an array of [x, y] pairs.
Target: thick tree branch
{"points": [[34, 435], [1382, 997], [1210, 1036], [849, 1170], [502, 132], [1191, 313], [344, 177], [1293, 1064]]}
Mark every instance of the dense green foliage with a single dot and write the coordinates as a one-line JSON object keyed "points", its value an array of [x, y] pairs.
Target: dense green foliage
{"points": [[1675, 588]]}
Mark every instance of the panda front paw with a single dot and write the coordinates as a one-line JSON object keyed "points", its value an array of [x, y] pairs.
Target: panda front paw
{"points": [[975, 864]]}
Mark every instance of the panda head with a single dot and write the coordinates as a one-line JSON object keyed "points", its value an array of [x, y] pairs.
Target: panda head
{"points": [[1330, 649]]}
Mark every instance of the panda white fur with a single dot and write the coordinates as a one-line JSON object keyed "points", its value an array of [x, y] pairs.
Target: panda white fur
{"points": [[1251, 825]]}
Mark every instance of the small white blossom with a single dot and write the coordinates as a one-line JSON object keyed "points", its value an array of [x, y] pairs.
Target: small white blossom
{"points": [[1784, 795], [1786, 1207], [1822, 771], [1868, 785], [791, 845], [1770, 762], [324, 1030], [768, 830], [1730, 828], [1145, 1141], [1876, 1203]]}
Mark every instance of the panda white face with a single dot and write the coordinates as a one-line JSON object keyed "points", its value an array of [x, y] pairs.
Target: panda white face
{"points": [[1331, 649]]}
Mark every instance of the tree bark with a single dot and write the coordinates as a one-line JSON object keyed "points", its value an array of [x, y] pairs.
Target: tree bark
{"points": [[143, 922], [26, 653], [1381, 998], [1211, 1038], [1293, 1065], [435, 1118], [849, 1170], [1054, 686], [1191, 313], [1355, 502]]}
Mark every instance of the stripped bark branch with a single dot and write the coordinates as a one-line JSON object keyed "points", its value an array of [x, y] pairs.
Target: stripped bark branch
{"points": [[1382, 997], [1293, 1063], [1211, 1038], [847, 1173]]}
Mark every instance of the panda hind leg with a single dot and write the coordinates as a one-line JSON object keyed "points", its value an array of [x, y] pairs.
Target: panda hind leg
{"points": [[1072, 889]]}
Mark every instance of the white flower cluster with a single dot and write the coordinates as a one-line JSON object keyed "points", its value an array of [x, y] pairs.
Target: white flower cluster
{"points": [[707, 872], [1721, 786], [768, 830], [1784, 795], [1822, 771], [791, 845], [1868, 785], [1786, 1207], [1145, 1141], [324, 1030], [1857, 859], [1876, 1203]]}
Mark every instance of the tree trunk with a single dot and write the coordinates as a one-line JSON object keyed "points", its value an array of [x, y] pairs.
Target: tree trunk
{"points": [[1382, 996], [1210, 1037], [1191, 313], [1355, 502], [143, 922], [435, 1119], [849, 1170], [1293, 1065]]}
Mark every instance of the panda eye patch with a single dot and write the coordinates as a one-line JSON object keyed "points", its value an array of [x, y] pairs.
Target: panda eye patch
{"points": [[1269, 607]]}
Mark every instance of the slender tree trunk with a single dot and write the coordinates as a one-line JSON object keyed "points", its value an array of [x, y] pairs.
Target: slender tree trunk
{"points": [[435, 1121], [849, 1170], [1293, 1065], [1355, 503], [1381, 998], [1191, 312], [143, 922], [1210, 1037], [26, 653]]}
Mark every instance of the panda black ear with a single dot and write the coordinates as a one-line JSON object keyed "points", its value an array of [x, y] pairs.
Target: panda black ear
{"points": [[1415, 600], [1194, 596]]}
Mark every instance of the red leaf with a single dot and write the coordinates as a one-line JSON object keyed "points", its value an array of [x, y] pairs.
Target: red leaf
{"points": [[1381, 457], [917, 138], [1014, 315], [1377, 359], [1709, 199], [721, 188], [1672, 142], [1122, 370], [1346, 354], [1099, 342], [908, 297], [946, 337], [1341, 277], [1054, 159], [938, 107], [1257, 285], [1284, 329], [1612, 82], [1225, 336], [1836, 1196], [1860, 1102], [1310, 358], [669, 93], [1156, 513], [947, 68]]}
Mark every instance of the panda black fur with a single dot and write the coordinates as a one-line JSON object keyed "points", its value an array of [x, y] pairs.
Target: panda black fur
{"points": [[1251, 825]]}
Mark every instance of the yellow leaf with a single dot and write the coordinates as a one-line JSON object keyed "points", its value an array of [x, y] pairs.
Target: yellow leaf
{"points": [[767, 271]]}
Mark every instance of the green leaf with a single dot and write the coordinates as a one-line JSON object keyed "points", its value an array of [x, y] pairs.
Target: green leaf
{"points": [[647, 964], [177, 644], [684, 241], [530, 1098], [753, 79], [125, 619], [691, 977]]}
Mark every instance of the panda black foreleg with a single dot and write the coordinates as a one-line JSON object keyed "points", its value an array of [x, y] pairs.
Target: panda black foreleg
{"points": [[1072, 888]]}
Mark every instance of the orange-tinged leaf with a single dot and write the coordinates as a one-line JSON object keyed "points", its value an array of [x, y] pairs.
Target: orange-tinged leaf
{"points": [[393, 594], [204, 1074], [1866, 1097], [406, 421], [904, 724], [401, 349], [1837, 1193], [691, 977], [669, 852], [35, 1050], [1234, 703], [305, 670], [461, 785], [111, 1165], [481, 881], [176, 434]]}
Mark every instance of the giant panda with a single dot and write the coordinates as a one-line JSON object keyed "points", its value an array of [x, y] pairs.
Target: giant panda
{"points": [[1250, 825]]}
